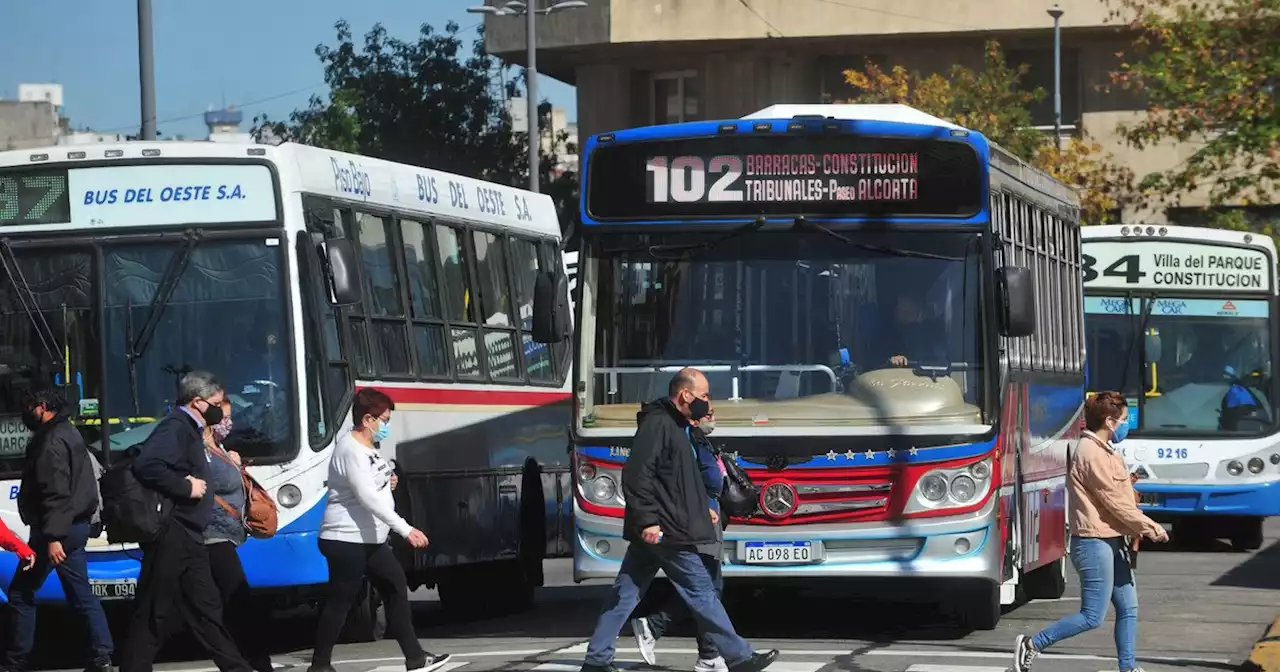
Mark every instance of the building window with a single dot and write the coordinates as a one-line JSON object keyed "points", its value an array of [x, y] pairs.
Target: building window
{"points": [[676, 97], [1040, 75]]}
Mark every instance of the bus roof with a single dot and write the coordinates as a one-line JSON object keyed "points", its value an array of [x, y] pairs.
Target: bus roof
{"points": [[307, 169], [894, 112], [1159, 232]]}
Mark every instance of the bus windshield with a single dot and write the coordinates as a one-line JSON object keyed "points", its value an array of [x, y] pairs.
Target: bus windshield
{"points": [[1201, 368], [794, 329], [225, 314]]}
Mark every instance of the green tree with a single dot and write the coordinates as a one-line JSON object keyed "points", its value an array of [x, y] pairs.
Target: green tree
{"points": [[1208, 72], [992, 102], [433, 102]]}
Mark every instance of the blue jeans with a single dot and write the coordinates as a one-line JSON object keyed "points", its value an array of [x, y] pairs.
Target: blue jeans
{"points": [[73, 573], [661, 619], [684, 568], [1104, 573]]}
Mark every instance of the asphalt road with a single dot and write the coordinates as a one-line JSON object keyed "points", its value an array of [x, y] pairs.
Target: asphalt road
{"points": [[1201, 609]]}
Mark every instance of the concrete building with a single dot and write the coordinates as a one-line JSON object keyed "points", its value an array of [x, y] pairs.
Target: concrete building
{"points": [[34, 119], [566, 151], [637, 62]]}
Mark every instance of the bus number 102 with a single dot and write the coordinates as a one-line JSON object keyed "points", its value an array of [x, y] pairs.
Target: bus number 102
{"points": [[684, 179]]}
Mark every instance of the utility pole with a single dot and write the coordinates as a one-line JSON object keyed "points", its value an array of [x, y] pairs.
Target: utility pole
{"points": [[1056, 12], [530, 11], [146, 70]]}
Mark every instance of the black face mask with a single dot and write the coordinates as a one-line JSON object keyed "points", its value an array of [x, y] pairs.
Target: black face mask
{"points": [[31, 419], [699, 409], [212, 415]]}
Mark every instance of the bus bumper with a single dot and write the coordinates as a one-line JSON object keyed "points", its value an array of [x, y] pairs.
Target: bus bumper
{"points": [[964, 546], [1246, 499]]}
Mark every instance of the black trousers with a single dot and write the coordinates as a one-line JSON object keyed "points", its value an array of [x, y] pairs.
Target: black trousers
{"points": [[176, 584], [349, 564], [247, 625]]}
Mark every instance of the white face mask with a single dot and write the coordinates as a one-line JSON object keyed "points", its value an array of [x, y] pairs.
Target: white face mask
{"points": [[707, 425]]}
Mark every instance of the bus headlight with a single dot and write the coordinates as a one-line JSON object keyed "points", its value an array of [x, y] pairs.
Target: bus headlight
{"points": [[602, 490], [1235, 468], [964, 489], [1256, 465], [933, 487], [289, 496]]}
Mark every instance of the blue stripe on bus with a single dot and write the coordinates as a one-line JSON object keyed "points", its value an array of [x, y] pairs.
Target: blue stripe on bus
{"points": [[290, 558]]}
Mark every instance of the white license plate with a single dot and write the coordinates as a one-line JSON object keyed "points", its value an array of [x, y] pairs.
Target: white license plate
{"points": [[1148, 499], [123, 589], [779, 552]]}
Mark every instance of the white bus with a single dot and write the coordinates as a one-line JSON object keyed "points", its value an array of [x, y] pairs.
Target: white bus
{"points": [[298, 275], [1179, 320]]}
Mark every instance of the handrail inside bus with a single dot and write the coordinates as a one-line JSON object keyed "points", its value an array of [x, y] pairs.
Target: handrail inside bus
{"points": [[718, 368]]}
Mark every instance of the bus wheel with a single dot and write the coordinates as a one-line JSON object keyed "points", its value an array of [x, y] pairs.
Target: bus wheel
{"points": [[1248, 537], [979, 608], [1048, 582], [367, 621]]}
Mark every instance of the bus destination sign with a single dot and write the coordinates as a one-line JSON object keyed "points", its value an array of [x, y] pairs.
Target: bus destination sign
{"points": [[827, 175]]}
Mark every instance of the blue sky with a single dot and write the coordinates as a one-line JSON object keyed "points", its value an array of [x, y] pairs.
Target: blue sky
{"points": [[255, 54]]}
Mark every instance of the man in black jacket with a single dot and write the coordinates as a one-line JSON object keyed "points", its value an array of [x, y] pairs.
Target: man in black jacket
{"points": [[666, 519], [176, 581], [57, 499]]}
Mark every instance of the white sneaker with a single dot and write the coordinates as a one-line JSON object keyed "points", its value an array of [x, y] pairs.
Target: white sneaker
{"points": [[644, 640], [716, 664], [1024, 654]]}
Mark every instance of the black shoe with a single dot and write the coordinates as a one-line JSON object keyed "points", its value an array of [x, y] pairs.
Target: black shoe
{"points": [[99, 666], [320, 668], [588, 667], [427, 663], [757, 662]]}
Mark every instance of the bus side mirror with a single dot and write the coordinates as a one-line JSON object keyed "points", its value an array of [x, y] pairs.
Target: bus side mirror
{"points": [[552, 321], [1018, 296], [343, 277]]}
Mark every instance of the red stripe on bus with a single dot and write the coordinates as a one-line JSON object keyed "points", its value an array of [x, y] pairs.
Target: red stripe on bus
{"points": [[420, 395]]}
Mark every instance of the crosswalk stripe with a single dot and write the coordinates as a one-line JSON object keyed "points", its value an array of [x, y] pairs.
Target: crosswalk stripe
{"points": [[567, 666], [451, 665], [954, 668], [791, 666]]}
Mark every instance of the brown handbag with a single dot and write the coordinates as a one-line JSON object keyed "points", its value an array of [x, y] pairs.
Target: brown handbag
{"points": [[260, 519]]}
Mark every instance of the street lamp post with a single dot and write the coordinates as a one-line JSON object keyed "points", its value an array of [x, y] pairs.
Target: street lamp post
{"points": [[1056, 12], [146, 70], [517, 8]]}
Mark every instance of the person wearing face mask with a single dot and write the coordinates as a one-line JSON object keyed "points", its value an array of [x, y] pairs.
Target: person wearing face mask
{"points": [[176, 582], [1102, 511], [667, 518], [359, 515], [225, 533], [649, 629], [57, 500]]}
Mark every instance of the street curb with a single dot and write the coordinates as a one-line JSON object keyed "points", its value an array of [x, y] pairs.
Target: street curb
{"points": [[1265, 656]]}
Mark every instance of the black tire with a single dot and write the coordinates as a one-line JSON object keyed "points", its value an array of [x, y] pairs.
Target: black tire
{"points": [[1249, 539], [1048, 582], [367, 621], [979, 609]]}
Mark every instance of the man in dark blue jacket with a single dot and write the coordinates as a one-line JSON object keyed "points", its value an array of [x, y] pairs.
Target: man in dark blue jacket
{"points": [[176, 581], [57, 500], [666, 519]]}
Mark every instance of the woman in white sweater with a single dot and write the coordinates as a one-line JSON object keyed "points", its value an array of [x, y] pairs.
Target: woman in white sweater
{"points": [[353, 537]]}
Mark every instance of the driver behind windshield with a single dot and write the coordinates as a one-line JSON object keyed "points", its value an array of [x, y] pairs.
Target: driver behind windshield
{"points": [[912, 337]]}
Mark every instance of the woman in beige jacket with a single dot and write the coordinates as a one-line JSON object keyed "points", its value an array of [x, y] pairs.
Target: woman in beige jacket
{"points": [[1103, 511]]}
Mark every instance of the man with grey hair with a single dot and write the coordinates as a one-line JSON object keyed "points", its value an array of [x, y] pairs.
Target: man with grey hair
{"points": [[176, 582]]}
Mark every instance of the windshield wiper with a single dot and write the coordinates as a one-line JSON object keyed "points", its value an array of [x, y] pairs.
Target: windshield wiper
{"points": [[1133, 345], [689, 248], [27, 298], [803, 224], [137, 345]]}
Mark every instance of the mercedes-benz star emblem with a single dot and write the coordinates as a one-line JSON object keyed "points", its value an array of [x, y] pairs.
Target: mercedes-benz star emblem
{"points": [[778, 499]]}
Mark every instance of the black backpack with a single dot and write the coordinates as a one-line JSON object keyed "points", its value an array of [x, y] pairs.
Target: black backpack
{"points": [[131, 512], [741, 497]]}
